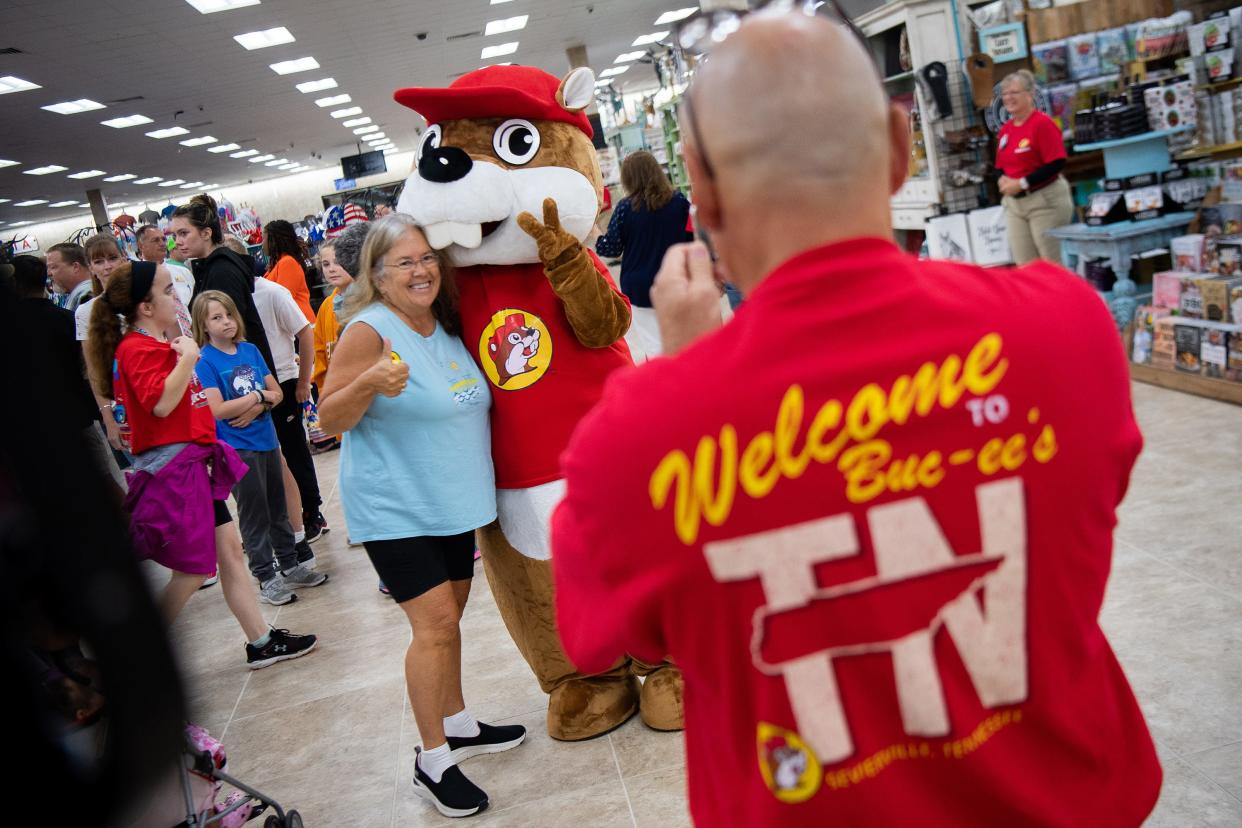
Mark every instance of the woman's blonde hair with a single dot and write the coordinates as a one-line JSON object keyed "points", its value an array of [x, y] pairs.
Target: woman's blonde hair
{"points": [[1022, 76], [382, 236], [199, 313]]}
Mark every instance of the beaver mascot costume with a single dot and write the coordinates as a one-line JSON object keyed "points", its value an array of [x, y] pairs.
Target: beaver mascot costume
{"points": [[546, 323]]}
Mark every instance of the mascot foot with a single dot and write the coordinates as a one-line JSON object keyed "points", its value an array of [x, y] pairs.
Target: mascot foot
{"points": [[584, 708], [661, 700]]}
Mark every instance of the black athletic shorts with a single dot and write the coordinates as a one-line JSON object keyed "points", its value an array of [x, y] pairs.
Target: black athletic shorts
{"points": [[411, 566], [222, 512]]}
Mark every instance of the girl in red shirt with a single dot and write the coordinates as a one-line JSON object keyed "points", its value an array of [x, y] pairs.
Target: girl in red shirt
{"points": [[181, 474]]}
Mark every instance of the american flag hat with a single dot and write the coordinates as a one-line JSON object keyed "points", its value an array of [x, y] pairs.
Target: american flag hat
{"points": [[354, 214], [334, 220]]}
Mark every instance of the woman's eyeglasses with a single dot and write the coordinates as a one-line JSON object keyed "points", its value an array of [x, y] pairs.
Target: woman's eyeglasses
{"points": [[423, 263]]}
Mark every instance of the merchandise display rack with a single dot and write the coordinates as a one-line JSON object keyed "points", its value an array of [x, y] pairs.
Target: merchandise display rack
{"points": [[1201, 386]]}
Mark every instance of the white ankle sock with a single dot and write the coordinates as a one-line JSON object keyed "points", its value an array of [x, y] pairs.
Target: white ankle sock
{"points": [[299, 536], [436, 761], [461, 724]]}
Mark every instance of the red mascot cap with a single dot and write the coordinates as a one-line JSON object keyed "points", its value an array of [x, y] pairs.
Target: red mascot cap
{"points": [[494, 92]]}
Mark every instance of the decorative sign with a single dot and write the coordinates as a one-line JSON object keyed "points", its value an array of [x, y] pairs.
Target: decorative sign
{"points": [[988, 239], [25, 244], [345, 183], [1003, 43]]}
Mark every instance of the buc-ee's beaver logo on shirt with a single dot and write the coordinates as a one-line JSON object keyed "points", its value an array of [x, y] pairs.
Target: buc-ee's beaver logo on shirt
{"points": [[515, 349]]}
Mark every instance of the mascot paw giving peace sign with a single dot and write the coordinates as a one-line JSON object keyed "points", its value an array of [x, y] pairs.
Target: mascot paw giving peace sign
{"points": [[507, 180]]}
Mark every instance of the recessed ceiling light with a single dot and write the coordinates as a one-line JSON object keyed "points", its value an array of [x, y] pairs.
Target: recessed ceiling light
{"points": [[498, 2], [224, 148], [68, 203], [268, 37], [390, 151], [170, 132], [259, 158], [88, 174], [627, 57], [50, 168], [127, 121], [73, 107], [614, 71], [30, 202], [198, 142], [150, 180], [84, 204], [243, 154], [654, 37], [123, 177], [602, 82], [191, 185], [5, 200], [4, 162], [675, 15], [317, 86], [276, 162], [117, 206], [499, 51], [8, 84], [20, 223], [383, 146], [212, 6], [288, 67], [345, 113], [288, 166], [173, 182], [509, 24], [356, 122], [376, 138], [366, 129], [333, 100]]}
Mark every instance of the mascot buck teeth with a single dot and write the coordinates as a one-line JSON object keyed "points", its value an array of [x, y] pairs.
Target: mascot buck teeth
{"points": [[546, 323]]}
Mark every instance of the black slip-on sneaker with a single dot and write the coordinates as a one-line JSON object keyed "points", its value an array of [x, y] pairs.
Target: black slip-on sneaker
{"points": [[454, 795], [491, 739]]}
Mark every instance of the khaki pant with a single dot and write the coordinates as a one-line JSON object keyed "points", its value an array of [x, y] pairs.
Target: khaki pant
{"points": [[1029, 219]]}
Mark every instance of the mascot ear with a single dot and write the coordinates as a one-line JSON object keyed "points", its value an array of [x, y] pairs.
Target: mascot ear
{"points": [[577, 90]]}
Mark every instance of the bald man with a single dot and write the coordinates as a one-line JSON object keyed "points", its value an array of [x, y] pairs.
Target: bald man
{"points": [[870, 517]]}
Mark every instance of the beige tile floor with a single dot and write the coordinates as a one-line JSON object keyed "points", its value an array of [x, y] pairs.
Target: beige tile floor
{"points": [[332, 734]]}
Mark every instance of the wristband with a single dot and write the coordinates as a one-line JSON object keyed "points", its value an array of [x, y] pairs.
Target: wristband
{"points": [[261, 399]]}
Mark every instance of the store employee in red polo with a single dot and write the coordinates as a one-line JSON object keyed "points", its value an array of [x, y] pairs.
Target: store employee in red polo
{"points": [[1030, 155]]}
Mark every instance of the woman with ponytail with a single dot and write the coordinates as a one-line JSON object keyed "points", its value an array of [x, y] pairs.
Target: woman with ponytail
{"points": [[182, 475], [200, 242]]}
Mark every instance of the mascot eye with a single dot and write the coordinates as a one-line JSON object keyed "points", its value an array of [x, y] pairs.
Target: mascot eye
{"points": [[514, 338], [516, 141], [431, 140]]}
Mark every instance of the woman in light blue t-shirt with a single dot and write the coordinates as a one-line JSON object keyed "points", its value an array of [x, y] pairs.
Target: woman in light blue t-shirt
{"points": [[417, 480]]}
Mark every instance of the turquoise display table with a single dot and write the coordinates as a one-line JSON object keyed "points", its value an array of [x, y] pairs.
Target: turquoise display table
{"points": [[1117, 243], [1136, 155]]}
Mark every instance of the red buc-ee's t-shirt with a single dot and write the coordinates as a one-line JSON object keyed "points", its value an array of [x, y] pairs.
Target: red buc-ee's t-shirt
{"points": [[871, 520], [1021, 150], [143, 363]]}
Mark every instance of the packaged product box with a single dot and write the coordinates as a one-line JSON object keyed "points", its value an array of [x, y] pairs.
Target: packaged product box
{"points": [[1164, 343], [1188, 342], [1167, 288], [1084, 56], [1214, 352], [1061, 104], [1228, 254], [1216, 295], [1144, 332], [1187, 252], [1191, 302], [1051, 61], [1218, 65], [1114, 52], [1233, 360], [1235, 305]]}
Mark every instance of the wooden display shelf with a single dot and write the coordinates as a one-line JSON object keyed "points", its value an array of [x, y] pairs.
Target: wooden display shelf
{"points": [[1210, 152], [1217, 87], [1216, 389]]}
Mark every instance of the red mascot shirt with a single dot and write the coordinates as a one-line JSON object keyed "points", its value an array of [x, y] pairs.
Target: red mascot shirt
{"points": [[543, 379], [871, 520]]}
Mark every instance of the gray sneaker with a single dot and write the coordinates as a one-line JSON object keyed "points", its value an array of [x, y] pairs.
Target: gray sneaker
{"points": [[302, 576], [276, 592]]}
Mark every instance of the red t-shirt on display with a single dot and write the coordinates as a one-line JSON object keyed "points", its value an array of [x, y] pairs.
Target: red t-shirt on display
{"points": [[543, 379], [143, 363], [1021, 150], [871, 520]]}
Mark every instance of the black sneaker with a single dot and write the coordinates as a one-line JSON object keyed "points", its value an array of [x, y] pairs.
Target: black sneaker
{"points": [[306, 555], [454, 795], [283, 645], [315, 525], [491, 739]]}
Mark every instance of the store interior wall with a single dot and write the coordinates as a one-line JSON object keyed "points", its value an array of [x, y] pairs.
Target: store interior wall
{"points": [[291, 197]]}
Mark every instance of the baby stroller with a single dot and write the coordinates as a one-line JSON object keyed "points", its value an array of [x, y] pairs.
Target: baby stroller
{"points": [[202, 775]]}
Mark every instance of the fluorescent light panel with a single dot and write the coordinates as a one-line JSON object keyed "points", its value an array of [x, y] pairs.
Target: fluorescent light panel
{"points": [[8, 84], [173, 182], [50, 168], [345, 113], [288, 166], [628, 56], [198, 142], [20, 223], [276, 162], [4, 162], [213, 6], [112, 179], [508, 24], [127, 121], [654, 37], [317, 86], [614, 71], [356, 122], [499, 51], [170, 132], [73, 107], [224, 148], [675, 15], [191, 185], [259, 158], [30, 202], [366, 129], [289, 67], [88, 174], [333, 100], [68, 203], [150, 180], [262, 39], [243, 154]]}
